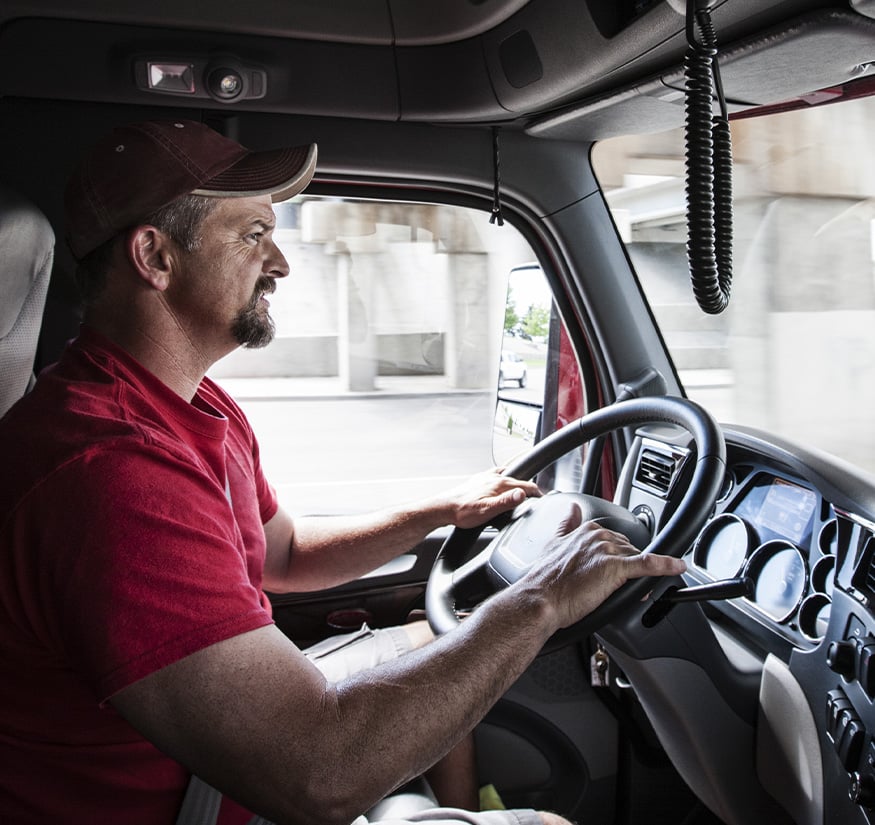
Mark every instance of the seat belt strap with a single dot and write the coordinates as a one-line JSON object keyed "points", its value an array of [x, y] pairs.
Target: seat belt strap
{"points": [[201, 804]]}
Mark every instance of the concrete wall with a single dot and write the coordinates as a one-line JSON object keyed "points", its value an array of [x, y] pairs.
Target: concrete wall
{"points": [[386, 289]]}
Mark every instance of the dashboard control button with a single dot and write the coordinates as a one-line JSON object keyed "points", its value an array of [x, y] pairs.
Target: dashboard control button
{"points": [[841, 658], [862, 790], [837, 703], [849, 745], [866, 665], [845, 729]]}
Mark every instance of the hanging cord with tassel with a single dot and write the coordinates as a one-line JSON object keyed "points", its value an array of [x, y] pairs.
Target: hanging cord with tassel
{"points": [[496, 181]]}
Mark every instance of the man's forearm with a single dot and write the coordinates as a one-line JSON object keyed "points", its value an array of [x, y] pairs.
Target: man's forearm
{"points": [[327, 551], [253, 717], [397, 720], [318, 552]]}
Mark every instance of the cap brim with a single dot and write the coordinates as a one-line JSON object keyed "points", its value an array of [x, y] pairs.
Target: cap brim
{"points": [[280, 173]]}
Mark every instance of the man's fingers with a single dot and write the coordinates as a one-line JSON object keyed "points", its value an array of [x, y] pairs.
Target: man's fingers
{"points": [[517, 496], [607, 541], [650, 564], [636, 563], [528, 487]]}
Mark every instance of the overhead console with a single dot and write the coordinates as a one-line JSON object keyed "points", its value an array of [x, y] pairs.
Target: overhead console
{"points": [[494, 62], [834, 46]]}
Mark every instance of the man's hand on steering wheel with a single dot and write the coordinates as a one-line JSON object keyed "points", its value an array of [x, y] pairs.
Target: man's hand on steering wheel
{"points": [[585, 563], [485, 496]]}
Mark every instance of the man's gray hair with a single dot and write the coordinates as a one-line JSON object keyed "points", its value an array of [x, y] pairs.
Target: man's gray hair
{"points": [[181, 220]]}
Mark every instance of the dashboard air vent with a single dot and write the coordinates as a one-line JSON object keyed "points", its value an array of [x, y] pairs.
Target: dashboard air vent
{"points": [[656, 470], [869, 584], [864, 575]]}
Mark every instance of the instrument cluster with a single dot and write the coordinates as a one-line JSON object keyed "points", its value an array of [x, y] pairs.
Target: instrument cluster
{"points": [[779, 533]]}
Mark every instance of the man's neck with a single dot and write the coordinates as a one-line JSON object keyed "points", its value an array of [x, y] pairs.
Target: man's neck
{"points": [[165, 349]]}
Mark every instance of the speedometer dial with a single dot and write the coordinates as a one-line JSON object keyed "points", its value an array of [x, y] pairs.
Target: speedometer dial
{"points": [[780, 579], [723, 545]]}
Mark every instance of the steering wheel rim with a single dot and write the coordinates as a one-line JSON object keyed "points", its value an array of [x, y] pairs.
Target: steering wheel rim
{"points": [[673, 539]]}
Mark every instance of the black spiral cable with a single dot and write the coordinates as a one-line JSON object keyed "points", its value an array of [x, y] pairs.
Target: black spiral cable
{"points": [[709, 168]]}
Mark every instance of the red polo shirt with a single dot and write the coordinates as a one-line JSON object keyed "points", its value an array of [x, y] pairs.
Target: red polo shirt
{"points": [[131, 535]]}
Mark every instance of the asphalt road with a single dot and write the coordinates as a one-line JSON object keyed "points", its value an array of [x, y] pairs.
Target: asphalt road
{"points": [[327, 451], [331, 452], [352, 454]]}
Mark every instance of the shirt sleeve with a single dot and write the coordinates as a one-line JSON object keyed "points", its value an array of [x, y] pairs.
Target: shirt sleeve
{"points": [[145, 566]]}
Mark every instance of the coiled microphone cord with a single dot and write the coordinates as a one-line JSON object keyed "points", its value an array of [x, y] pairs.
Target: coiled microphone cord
{"points": [[709, 168]]}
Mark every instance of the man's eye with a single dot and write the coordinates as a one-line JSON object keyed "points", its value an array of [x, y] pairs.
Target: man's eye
{"points": [[255, 237]]}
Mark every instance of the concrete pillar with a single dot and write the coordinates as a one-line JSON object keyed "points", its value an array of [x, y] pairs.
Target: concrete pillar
{"points": [[356, 344], [467, 363], [468, 322]]}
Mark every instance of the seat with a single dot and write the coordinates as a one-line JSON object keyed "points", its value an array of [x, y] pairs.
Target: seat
{"points": [[27, 245]]}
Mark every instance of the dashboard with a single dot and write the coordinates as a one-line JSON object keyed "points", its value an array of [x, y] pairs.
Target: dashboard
{"points": [[800, 525]]}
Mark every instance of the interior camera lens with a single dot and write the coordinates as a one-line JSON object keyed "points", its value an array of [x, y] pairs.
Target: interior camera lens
{"points": [[230, 84], [225, 84]]}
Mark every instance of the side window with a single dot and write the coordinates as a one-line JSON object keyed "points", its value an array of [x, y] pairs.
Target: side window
{"points": [[392, 348]]}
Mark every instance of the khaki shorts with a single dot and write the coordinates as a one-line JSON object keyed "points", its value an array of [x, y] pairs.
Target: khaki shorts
{"points": [[455, 816], [340, 656]]}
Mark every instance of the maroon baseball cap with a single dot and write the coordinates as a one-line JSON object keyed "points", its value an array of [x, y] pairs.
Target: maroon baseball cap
{"points": [[141, 167]]}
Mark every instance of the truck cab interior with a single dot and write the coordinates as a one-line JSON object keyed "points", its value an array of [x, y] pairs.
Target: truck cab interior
{"points": [[660, 214]]}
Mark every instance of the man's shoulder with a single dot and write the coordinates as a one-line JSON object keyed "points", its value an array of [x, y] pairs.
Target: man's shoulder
{"points": [[67, 406], [64, 427]]}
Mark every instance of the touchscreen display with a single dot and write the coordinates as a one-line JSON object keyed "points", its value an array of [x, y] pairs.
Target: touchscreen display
{"points": [[778, 509], [786, 510]]}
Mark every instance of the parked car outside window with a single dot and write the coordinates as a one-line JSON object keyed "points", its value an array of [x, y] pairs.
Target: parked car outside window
{"points": [[512, 368]]}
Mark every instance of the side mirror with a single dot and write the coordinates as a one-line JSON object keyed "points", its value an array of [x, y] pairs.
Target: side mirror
{"points": [[515, 429]]}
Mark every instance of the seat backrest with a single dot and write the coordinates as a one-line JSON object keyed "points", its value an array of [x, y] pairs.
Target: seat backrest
{"points": [[27, 245]]}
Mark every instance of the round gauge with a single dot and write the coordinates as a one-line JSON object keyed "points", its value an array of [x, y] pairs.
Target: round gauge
{"points": [[823, 575], [723, 545], [814, 616], [780, 578], [828, 537]]}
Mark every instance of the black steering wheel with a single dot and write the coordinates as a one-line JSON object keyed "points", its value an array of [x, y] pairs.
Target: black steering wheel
{"points": [[523, 537]]}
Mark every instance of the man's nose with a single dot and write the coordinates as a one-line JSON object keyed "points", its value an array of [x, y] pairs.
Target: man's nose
{"points": [[276, 265]]}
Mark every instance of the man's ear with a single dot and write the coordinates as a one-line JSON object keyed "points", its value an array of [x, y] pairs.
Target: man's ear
{"points": [[149, 251]]}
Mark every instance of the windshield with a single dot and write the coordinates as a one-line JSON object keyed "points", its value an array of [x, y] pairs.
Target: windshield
{"points": [[794, 353]]}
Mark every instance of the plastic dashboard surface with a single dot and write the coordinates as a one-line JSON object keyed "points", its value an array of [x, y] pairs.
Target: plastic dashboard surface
{"points": [[802, 527]]}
